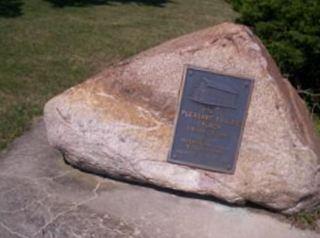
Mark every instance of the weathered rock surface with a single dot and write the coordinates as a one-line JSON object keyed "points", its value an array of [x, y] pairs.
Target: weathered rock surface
{"points": [[42, 197], [120, 123]]}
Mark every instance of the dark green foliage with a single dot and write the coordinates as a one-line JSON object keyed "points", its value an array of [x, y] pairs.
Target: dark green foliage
{"points": [[290, 29], [63, 3], [10, 8], [81, 3]]}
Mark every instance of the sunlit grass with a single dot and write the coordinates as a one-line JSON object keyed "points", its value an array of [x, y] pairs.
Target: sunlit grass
{"points": [[48, 49]]}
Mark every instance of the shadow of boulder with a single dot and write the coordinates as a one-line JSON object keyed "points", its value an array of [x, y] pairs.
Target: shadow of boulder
{"points": [[84, 3], [10, 8]]}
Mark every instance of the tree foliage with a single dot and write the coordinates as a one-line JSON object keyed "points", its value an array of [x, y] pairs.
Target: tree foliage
{"points": [[10, 8], [290, 29]]}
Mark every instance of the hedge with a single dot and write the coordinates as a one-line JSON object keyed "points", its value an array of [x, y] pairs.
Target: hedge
{"points": [[290, 29]]}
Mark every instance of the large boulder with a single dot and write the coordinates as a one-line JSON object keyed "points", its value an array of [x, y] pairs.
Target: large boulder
{"points": [[119, 123]]}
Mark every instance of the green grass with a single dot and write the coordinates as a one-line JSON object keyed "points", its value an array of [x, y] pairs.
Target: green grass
{"points": [[47, 49], [306, 220]]}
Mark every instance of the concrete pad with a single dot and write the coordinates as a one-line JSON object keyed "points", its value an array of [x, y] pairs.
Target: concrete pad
{"points": [[41, 196]]}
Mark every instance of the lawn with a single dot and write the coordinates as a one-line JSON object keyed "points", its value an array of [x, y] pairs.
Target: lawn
{"points": [[54, 44], [50, 47]]}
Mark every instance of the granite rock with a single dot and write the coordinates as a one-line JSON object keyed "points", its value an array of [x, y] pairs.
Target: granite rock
{"points": [[119, 123]]}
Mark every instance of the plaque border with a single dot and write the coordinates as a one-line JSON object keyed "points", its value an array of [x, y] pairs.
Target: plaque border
{"points": [[180, 92]]}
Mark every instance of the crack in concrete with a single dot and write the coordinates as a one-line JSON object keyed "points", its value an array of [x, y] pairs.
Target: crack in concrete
{"points": [[13, 232], [72, 208], [24, 208], [37, 178]]}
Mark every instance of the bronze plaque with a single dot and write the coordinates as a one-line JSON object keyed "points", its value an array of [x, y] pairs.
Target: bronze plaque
{"points": [[210, 120]]}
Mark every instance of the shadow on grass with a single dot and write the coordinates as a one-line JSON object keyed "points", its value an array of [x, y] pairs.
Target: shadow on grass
{"points": [[84, 3], [10, 8]]}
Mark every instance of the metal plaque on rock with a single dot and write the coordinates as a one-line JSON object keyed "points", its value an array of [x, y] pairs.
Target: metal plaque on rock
{"points": [[210, 120]]}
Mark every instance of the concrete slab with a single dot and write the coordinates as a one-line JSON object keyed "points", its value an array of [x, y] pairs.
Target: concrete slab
{"points": [[41, 196]]}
